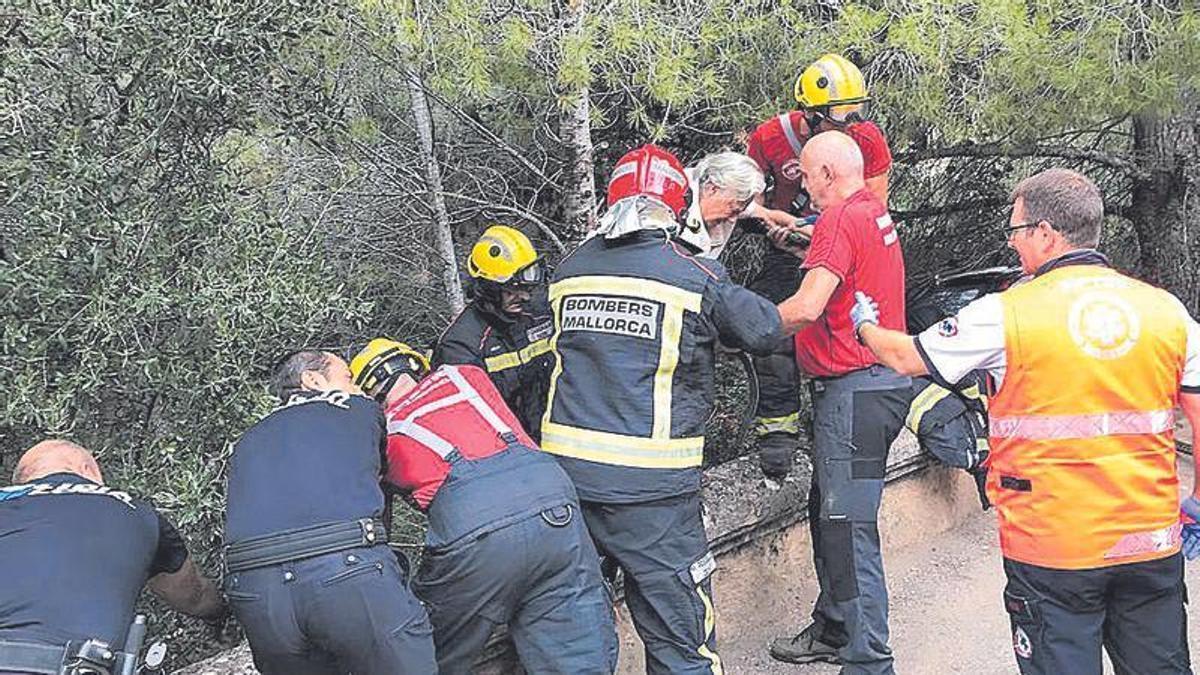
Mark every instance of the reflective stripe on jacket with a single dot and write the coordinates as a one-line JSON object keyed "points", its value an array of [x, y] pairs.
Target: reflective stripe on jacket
{"points": [[515, 353], [1082, 465], [636, 320]]}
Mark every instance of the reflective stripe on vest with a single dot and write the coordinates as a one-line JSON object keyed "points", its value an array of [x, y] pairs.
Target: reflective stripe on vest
{"points": [[1057, 427], [1082, 465], [659, 450], [517, 358], [793, 139], [464, 393]]}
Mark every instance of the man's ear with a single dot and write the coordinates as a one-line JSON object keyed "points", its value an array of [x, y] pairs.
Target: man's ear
{"points": [[312, 380]]}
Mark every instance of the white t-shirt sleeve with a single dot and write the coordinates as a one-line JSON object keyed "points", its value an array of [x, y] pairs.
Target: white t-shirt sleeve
{"points": [[971, 340], [1190, 382]]}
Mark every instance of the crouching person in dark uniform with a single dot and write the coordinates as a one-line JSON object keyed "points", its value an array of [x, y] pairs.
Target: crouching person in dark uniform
{"points": [[506, 327], [74, 555], [637, 317], [951, 425], [308, 572], [506, 543]]}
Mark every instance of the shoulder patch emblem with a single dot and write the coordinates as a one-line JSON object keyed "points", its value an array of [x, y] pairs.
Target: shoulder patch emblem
{"points": [[790, 170]]}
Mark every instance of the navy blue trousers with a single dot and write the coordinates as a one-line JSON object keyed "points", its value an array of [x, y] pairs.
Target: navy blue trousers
{"points": [[345, 612], [662, 548], [540, 576]]}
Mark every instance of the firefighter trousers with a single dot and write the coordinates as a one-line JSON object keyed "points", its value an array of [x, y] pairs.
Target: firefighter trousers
{"points": [[1061, 618], [855, 419], [541, 577], [778, 377], [663, 551]]}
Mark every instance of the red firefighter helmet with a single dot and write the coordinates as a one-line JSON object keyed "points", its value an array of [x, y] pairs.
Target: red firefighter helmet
{"points": [[652, 172]]}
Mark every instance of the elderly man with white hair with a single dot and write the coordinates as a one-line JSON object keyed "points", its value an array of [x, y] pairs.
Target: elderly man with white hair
{"points": [[638, 309], [724, 185]]}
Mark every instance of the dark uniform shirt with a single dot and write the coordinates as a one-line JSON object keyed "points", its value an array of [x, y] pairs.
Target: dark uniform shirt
{"points": [[316, 459], [637, 320], [515, 354], [74, 556]]}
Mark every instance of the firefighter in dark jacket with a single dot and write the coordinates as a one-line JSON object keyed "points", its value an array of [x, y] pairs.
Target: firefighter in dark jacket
{"points": [[506, 328], [637, 316]]}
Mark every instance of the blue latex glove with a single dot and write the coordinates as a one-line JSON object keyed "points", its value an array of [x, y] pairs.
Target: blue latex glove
{"points": [[864, 311], [1190, 511]]}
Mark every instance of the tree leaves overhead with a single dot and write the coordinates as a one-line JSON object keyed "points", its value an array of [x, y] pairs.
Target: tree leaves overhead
{"points": [[188, 189]]}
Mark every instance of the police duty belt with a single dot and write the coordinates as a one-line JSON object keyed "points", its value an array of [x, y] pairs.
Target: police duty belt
{"points": [[301, 543]]}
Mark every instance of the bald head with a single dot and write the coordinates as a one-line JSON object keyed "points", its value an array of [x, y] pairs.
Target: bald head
{"points": [[56, 456], [832, 167]]}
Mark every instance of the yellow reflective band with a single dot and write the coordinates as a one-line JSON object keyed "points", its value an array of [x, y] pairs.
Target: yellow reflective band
{"points": [[556, 312], [710, 622], [664, 377], [518, 358], [621, 450], [788, 424], [502, 362], [923, 403]]}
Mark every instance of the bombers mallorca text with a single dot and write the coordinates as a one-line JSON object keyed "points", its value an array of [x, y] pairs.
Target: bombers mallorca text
{"points": [[605, 314]]}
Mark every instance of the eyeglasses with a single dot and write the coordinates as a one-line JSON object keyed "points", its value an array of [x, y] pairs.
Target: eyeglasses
{"points": [[742, 204], [1008, 231]]}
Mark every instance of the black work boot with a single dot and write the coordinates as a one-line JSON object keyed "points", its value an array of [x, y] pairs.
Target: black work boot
{"points": [[777, 453], [804, 648]]}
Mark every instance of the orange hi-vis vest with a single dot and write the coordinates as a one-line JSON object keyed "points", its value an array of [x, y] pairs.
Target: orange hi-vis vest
{"points": [[1082, 467]]}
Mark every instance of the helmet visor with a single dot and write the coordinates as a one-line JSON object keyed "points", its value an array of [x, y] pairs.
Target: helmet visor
{"points": [[533, 274], [381, 372]]}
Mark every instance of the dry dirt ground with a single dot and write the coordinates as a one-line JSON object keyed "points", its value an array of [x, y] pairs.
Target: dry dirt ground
{"points": [[946, 613]]}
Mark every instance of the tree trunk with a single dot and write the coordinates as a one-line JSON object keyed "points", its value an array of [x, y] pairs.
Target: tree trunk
{"points": [[443, 238], [579, 202], [1166, 204]]}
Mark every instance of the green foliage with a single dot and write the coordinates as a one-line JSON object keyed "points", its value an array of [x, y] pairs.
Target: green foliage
{"points": [[188, 189]]}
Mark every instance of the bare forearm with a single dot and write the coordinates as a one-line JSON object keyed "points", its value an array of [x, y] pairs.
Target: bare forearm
{"points": [[808, 303], [795, 315], [1190, 403], [894, 349]]}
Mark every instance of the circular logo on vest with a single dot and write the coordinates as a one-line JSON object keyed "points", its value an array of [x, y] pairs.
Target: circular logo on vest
{"points": [[1103, 326], [791, 169]]}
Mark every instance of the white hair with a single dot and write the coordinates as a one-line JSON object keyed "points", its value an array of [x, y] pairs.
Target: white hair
{"points": [[731, 171]]}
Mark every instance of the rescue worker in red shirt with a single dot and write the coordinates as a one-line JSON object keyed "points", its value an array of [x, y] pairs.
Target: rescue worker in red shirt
{"points": [[830, 94], [1088, 367], [506, 543], [504, 329], [859, 406]]}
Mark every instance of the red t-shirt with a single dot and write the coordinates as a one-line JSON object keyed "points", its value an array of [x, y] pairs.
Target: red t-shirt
{"points": [[417, 469], [857, 241], [770, 147]]}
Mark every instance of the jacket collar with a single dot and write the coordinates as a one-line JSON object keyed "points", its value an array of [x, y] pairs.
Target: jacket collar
{"points": [[1080, 256]]}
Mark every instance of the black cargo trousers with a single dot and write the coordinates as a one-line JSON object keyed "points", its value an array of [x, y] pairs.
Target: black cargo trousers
{"points": [[1061, 618]]}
